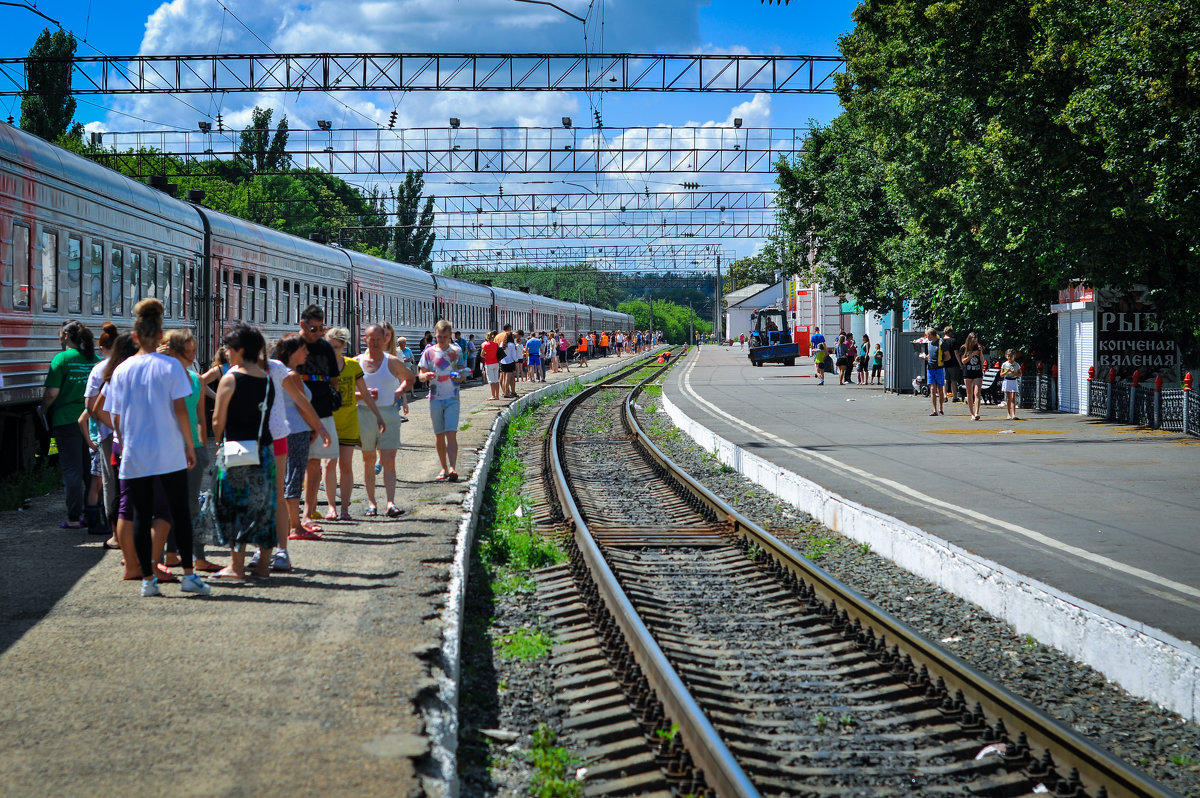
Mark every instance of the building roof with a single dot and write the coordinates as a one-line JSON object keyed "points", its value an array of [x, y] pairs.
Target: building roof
{"points": [[734, 297]]}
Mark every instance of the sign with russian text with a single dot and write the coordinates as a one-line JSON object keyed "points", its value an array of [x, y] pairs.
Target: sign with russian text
{"points": [[1130, 338]]}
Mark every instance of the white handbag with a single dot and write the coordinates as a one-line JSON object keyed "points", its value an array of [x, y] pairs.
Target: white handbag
{"points": [[232, 454]]}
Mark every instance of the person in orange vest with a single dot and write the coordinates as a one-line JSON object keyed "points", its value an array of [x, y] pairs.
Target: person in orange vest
{"points": [[603, 344], [582, 351]]}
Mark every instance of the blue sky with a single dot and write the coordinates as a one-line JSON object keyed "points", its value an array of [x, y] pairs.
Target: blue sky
{"points": [[671, 26]]}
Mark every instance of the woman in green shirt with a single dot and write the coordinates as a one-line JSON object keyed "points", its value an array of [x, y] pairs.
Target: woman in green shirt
{"points": [[62, 404]]}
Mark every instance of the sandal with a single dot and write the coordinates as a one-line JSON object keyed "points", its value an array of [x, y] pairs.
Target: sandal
{"points": [[164, 575], [331, 515], [227, 576], [440, 477], [345, 516], [394, 512], [72, 525], [206, 567], [452, 476], [371, 512], [111, 544]]}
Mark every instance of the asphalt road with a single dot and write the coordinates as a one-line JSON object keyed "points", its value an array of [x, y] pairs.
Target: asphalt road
{"points": [[1105, 512]]}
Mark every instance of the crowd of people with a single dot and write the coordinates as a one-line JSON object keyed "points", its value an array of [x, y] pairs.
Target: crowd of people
{"points": [[947, 364], [853, 362], [130, 415]]}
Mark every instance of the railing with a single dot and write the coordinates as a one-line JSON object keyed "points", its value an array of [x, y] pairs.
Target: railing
{"points": [[1176, 410]]}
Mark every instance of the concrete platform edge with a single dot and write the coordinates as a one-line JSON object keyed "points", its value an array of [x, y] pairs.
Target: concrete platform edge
{"points": [[441, 713], [1143, 660]]}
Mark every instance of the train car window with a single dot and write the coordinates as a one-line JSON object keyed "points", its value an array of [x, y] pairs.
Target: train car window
{"points": [[49, 271], [262, 299], [97, 281], [250, 303], [177, 286], [133, 273], [164, 284], [74, 274], [148, 276], [287, 301], [274, 299], [20, 262], [235, 298], [116, 276]]}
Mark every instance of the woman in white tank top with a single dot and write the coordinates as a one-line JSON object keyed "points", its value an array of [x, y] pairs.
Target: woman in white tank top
{"points": [[384, 375]]}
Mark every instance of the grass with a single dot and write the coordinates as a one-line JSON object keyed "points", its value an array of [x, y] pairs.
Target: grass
{"points": [[21, 485], [464, 427], [552, 766], [510, 542], [653, 389], [524, 644], [1182, 760], [510, 582]]}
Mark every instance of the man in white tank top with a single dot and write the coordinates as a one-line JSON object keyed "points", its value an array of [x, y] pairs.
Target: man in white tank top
{"points": [[383, 374]]}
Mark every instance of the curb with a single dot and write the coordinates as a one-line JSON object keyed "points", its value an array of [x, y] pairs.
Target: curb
{"points": [[441, 714], [1145, 661]]}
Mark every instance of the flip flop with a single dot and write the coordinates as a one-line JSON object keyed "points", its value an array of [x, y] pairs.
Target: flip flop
{"points": [[331, 515], [72, 525], [108, 544], [371, 512], [440, 478], [394, 512], [452, 476], [226, 578], [208, 568]]}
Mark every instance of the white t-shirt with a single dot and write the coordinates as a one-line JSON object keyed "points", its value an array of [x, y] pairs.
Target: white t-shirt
{"points": [[277, 422], [92, 390], [142, 393], [512, 353]]}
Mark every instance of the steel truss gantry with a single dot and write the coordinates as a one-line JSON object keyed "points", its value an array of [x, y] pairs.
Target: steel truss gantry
{"points": [[497, 150], [627, 257], [607, 201], [294, 72], [640, 226]]}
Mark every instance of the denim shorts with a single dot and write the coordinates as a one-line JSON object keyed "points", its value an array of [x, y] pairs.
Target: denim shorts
{"points": [[444, 413], [297, 464]]}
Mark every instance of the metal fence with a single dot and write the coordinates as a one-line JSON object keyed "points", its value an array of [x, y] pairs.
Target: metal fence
{"points": [[1176, 410]]}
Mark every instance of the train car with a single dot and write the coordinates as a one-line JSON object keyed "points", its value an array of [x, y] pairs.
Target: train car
{"points": [[513, 307], [392, 292], [266, 278], [467, 306], [79, 241]]}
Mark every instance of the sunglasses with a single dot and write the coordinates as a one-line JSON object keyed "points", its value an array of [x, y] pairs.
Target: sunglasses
{"points": [[316, 328]]}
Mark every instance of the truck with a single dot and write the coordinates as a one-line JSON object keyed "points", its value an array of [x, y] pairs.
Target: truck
{"points": [[770, 341]]}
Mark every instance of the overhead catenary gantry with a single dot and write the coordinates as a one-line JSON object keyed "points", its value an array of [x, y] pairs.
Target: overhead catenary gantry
{"points": [[495, 150], [638, 226], [296, 72], [620, 257], [705, 199]]}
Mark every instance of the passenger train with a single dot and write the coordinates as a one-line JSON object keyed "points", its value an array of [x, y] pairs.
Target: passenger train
{"points": [[81, 241]]}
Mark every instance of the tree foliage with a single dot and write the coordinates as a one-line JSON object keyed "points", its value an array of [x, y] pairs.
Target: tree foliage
{"points": [[991, 151], [47, 106], [746, 271], [674, 320], [413, 234], [260, 150]]}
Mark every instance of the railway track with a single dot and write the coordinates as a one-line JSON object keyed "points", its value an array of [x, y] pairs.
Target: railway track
{"points": [[705, 656]]}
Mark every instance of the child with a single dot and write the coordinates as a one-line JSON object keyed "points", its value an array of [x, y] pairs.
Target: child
{"points": [[1010, 372], [877, 365], [863, 357], [821, 359]]}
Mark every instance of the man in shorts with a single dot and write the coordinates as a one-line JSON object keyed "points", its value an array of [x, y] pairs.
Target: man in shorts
{"points": [[385, 377], [814, 342], [318, 371], [935, 355], [953, 366]]}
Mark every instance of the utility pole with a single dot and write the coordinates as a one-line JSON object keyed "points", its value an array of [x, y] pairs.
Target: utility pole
{"points": [[717, 303], [691, 325]]}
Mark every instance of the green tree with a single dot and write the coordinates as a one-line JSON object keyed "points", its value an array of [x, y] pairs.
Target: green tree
{"points": [[47, 106], [262, 151], [413, 235], [746, 271], [674, 320]]}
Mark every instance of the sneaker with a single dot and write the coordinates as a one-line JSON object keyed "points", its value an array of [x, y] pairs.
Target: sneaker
{"points": [[150, 587], [254, 558], [280, 561], [192, 583]]}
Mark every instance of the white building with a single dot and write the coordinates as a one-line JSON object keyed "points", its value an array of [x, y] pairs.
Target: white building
{"points": [[741, 303]]}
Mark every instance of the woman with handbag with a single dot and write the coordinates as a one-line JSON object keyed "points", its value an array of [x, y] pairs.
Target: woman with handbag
{"points": [[244, 490]]}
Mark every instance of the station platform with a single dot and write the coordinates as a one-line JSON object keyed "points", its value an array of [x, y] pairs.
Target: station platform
{"points": [[1101, 518], [316, 682]]}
